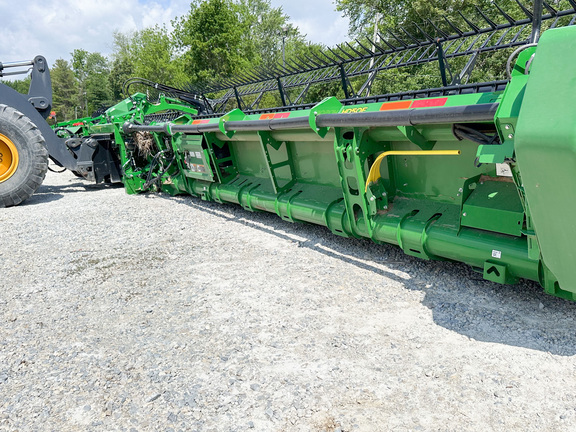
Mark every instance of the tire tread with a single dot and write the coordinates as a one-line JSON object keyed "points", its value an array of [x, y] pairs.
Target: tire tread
{"points": [[15, 192]]}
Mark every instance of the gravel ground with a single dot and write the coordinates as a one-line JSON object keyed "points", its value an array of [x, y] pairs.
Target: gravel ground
{"points": [[153, 313]]}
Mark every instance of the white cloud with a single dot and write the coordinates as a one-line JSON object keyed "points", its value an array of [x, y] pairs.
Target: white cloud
{"points": [[54, 28], [317, 19], [327, 33]]}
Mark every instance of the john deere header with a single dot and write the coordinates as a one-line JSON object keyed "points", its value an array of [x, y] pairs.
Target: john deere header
{"points": [[481, 173]]}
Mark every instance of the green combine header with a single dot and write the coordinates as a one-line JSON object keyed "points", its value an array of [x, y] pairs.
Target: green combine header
{"points": [[480, 173]]}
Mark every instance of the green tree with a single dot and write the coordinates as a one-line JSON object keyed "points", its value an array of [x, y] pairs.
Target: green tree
{"points": [[148, 53], [213, 38], [395, 13], [79, 58], [98, 90], [153, 52], [268, 28], [122, 69], [362, 13], [123, 64], [21, 86], [216, 39], [64, 90], [91, 71]]}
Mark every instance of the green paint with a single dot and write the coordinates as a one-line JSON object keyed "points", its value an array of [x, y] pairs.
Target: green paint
{"points": [[546, 154], [494, 206]]}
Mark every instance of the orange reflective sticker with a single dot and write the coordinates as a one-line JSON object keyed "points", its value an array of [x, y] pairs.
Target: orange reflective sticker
{"points": [[271, 116], [397, 105]]}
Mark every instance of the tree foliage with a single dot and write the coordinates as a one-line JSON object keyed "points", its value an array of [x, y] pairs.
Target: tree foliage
{"points": [[269, 28], [212, 37], [149, 53], [21, 85], [65, 92], [395, 13], [403, 17], [91, 71]]}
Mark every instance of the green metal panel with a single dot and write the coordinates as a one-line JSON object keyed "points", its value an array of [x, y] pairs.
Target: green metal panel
{"points": [[494, 206], [546, 152], [249, 157], [425, 177], [315, 161], [195, 158]]}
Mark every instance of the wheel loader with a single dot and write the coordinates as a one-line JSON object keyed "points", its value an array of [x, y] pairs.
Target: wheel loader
{"points": [[27, 142]]}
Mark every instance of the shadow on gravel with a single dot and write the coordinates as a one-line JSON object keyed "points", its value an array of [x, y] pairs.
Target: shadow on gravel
{"points": [[461, 300], [46, 193]]}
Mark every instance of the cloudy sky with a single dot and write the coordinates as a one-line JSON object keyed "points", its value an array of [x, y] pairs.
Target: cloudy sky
{"points": [[53, 28]]}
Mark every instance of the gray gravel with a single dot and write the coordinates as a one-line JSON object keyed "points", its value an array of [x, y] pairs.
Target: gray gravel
{"points": [[153, 313]]}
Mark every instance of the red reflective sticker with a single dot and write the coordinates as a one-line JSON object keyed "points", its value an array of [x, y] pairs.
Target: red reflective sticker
{"points": [[429, 103], [389, 106], [200, 122], [78, 124]]}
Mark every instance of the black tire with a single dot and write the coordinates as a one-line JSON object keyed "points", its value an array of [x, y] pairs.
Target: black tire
{"points": [[22, 141]]}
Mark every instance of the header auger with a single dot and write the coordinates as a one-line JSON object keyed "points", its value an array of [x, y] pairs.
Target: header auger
{"points": [[481, 173]]}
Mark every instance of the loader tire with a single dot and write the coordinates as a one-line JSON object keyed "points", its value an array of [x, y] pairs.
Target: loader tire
{"points": [[23, 157]]}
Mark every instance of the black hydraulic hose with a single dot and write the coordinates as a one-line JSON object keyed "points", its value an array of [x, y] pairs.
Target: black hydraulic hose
{"points": [[195, 128], [268, 125], [56, 171], [153, 164], [411, 117], [128, 128], [465, 132], [407, 117]]}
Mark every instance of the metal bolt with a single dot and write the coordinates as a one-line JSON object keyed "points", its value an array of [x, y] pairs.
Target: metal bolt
{"points": [[507, 126], [460, 190], [383, 193], [464, 214], [372, 198], [510, 136], [385, 207]]}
